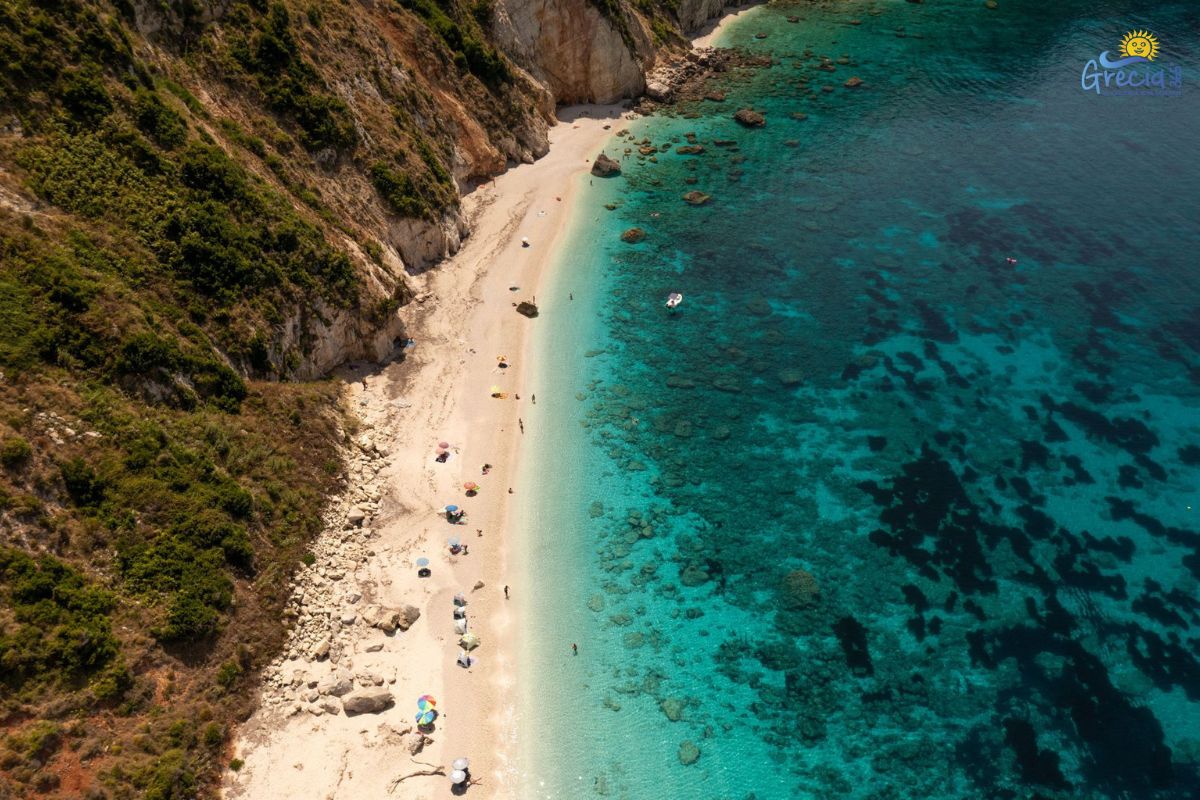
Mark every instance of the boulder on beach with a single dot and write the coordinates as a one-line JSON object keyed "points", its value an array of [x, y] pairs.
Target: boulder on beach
{"points": [[368, 701], [750, 118], [605, 167], [633, 235], [696, 198], [527, 309], [657, 90]]}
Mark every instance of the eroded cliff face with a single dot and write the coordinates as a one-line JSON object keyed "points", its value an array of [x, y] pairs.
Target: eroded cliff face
{"points": [[575, 51]]}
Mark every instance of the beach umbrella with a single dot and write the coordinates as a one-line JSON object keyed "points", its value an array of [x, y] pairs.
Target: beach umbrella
{"points": [[454, 541], [458, 776], [460, 626], [426, 717], [496, 391], [422, 562], [469, 641], [441, 451], [444, 445], [426, 702], [452, 508], [459, 613], [471, 486], [461, 763], [460, 599]]}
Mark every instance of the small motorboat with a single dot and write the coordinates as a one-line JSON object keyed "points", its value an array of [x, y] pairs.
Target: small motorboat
{"points": [[674, 299]]}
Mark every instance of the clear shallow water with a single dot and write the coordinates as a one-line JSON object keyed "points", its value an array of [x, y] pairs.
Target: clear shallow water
{"points": [[878, 514]]}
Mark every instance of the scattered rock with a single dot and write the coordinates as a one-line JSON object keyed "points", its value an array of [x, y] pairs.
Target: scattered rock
{"points": [[791, 377], [853, 83], [690, 150], [368, 701], [688, 753], [657, 90], [321, 650], [750, 118], [605, 167], [478, 585], [527, 309], [633, 236], [696, 198], [673, 708], [716, 97], [356, 516]]}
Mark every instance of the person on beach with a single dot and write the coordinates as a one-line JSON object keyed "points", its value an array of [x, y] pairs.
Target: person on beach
{"points": [[533, 397], [506, 591], [574, 648], [521, 422], [479, 532], [487, 468]]}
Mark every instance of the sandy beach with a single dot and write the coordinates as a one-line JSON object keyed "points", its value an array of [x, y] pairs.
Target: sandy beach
{"points": [[464, 319]]}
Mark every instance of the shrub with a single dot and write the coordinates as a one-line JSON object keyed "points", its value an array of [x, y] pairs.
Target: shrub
{"points": [[15, 452], [84, 96], [228, 674], [83, 485], [159, 122], [62, 631]]}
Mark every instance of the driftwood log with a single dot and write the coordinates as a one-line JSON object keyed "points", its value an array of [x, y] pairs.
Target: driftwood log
{"points": [[434, 770]]}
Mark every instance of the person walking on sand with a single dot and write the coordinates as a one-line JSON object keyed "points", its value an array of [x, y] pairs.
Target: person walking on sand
{"points": [[521, 422], [506, 591], [574, 648], [533, 397]]}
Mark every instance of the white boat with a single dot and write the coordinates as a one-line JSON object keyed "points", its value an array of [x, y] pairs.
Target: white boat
{"points": [[674, 299]]}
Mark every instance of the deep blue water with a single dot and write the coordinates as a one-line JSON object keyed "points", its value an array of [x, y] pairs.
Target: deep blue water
{"points": [[878, 514]]}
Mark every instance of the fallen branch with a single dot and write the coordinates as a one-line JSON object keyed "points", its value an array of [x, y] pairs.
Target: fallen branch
{"points": [[439, 771]]}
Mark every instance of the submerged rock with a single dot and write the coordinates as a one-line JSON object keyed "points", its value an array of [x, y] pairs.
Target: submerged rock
{"points": [[688, 753], [633, 235], [853, 83], [696, 198], [750, 118], [673, 708]]}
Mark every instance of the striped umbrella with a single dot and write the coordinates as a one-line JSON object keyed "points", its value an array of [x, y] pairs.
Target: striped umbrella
{"points": [[426, 702]]}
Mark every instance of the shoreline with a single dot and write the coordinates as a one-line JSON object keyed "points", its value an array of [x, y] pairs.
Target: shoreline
{"points": [[289, 747], [440, 391], [712, 30]]}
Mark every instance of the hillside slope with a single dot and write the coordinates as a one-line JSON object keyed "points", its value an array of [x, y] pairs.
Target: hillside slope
{"points": [[205, 206]]}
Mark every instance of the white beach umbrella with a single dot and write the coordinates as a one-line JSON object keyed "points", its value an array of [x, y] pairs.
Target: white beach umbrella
{"points": [[459, 612], [461, 763], [460, 626], [458, 776]]}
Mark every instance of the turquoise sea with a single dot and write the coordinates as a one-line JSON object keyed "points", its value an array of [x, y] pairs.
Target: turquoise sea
{"points": [[877, 513]]}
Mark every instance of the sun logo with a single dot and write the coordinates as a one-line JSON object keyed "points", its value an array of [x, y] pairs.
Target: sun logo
{"points": [[1140, 44]]}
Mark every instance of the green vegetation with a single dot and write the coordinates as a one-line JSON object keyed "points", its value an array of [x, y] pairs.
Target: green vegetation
{"points": [[136, 307], [415, 190], [61, 635], [458, 26], [266, 49]]}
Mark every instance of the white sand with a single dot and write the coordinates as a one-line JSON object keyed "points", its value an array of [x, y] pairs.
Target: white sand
{"points": [[467, 322]]}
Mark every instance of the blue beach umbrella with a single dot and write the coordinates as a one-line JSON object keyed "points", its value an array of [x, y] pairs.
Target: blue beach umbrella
{"points": [[422, 562], [455, 541], [452, 508], [426, 717]]}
